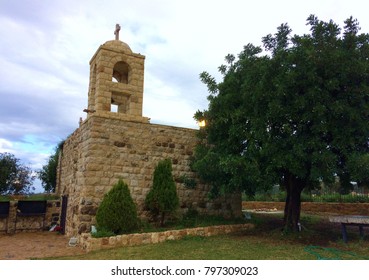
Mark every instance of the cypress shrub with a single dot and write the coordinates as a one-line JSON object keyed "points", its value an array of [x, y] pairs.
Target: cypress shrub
{"points": [[162, 199], [117, 211]]}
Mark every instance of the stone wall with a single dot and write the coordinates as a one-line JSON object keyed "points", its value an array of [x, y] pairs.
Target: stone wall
{"points": [[108, 146], [314, 207], [14, 222], [89, 243]]}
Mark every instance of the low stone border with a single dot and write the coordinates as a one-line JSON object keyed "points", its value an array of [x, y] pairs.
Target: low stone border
{"points": [[89, 243]]}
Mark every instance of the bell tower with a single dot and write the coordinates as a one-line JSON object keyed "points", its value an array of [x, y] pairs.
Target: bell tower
{"points": [[116, 81]]}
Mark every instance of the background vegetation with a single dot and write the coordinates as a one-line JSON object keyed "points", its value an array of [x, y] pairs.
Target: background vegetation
{"points": [[15, 177], [47, 174], [308, 197]]}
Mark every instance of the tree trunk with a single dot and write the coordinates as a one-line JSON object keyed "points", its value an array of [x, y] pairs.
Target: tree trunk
{"points": [[162, 219], [294, 187], [345, 183]]}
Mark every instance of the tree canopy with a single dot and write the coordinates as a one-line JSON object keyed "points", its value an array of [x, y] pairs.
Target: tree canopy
{"points": [[15, 178], [48, 173], [293, 112]]}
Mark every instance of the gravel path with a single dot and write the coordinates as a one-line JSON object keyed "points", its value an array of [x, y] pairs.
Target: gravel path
{"points": [[28, 245]]}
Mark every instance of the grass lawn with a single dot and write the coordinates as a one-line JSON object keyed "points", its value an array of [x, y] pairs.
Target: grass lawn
{"points": [[318, 240]]}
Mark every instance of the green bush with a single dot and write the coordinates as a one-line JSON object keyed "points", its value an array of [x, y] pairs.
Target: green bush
{"points": [[102, 233], [117, 212], [264, 196], [162, 199], [190, 218], [188, 182]]}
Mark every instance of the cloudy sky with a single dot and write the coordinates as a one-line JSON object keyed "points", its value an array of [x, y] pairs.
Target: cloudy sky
{"points": [[46, 47]]}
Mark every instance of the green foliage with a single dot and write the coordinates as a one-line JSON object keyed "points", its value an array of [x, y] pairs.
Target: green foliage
{"points": [[102, 233], [358, 164], [4, 198], [265, 196], [117, 212], [162, 198], [189, 183], [190, 218], [294, 114], [15, 178], [47, 174], [41, 197], [32, 197]]}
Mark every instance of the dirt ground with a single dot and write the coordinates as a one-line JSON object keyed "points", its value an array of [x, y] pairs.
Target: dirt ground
{"points": [[29, 245]]}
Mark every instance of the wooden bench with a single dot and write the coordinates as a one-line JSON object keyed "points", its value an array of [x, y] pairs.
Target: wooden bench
{"points": [[348, 220]]}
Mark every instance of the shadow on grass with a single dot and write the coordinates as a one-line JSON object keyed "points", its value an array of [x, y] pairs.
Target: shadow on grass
{"points": [[315, 229], [321, 238]]}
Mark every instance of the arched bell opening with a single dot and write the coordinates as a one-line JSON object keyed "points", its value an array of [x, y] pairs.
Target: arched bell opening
{"points": [[121, 72]]}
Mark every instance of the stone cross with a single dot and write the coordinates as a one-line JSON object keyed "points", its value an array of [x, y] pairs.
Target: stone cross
{"points": [[116, 32]]}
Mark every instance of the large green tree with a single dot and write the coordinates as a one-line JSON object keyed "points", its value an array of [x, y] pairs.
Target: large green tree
{"points": [[15, 178], [48, 173], [294, 113]]}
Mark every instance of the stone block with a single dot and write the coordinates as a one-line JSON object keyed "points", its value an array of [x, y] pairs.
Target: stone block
{"points": [[85, 218], [154, 237], [82, 228], [92, 181], [118, 240], [200, 232], [135, 239], [191, 231], [88, 209], [124, 240], [146, 238], [112, 241], [161, 237], [104, 241]]}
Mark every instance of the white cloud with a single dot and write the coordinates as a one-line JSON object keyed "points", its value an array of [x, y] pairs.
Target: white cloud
{"points": [[170, 112], [45, 53], [5, 146]]}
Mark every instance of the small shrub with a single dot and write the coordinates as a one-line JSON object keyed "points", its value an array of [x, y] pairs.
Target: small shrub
{"points": [[102, 233], [188, 182], [193, 219], [265, 196], [190, 218], [117, 212], [162, 199]]}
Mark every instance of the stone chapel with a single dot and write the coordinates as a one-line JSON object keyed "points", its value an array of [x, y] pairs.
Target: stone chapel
{"points": [[116, 141]]}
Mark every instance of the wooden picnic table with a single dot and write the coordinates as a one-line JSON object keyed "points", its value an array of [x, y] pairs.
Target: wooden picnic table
{"points": [[350, 220]]}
